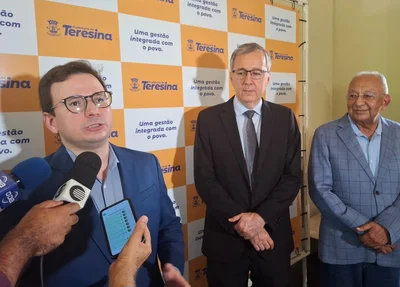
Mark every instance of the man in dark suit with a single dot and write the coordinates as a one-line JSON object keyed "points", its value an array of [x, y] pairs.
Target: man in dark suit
{"points": [[76, 105], [247, 171]]}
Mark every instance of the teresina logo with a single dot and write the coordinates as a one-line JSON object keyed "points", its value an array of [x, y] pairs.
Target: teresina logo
{"points": [[151, 86], [196, 46], [237, 14], [53, 29]]}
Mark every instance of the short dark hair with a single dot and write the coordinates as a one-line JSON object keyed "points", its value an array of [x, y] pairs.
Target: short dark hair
{"points": [[59, 74]]}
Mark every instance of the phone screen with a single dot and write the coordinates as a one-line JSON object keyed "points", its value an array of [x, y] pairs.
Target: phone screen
{"points": [[118, 222]]}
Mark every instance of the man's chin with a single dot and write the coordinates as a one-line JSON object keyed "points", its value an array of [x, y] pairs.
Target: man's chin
{"points": [[94, 142], [363, 114], [249, 93]]}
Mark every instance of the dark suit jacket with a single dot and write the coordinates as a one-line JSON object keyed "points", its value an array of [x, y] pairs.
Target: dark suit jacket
{"points": [[222, 180], [83, 259]]}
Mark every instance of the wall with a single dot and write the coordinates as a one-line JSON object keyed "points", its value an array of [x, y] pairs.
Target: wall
{"points": [[365, 37], [319, 100]]}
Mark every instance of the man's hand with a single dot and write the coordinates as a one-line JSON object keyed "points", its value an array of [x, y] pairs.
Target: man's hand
{"points": [[172, 277], [262, 241], [250, 223], [46, 225], [123, 270], [386, 249], [41, 230], [375, 235]]}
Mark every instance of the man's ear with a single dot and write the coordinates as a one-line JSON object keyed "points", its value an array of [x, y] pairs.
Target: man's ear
{"points": [[230, 77], [50, 122], [267, 78], [386, 101]]}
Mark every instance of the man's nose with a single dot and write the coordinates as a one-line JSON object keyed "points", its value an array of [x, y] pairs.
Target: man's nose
{"points": [[248, 79], [91, 109]]}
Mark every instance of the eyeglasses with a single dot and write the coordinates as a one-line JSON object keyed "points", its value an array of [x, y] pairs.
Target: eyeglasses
{"points": [[255, 74], [366, 97], [78, 104]]}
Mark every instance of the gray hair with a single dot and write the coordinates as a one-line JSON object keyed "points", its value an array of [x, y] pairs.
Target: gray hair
{"points": [[378, 75], [249, 48]]}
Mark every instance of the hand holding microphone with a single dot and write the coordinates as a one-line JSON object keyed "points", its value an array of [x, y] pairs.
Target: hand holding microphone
{"points": [[39, 232], [81, 179], [45, 226], [47, 223]]}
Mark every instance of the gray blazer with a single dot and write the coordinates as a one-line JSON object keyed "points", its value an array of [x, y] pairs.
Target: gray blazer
{"points": [[344, 189]]}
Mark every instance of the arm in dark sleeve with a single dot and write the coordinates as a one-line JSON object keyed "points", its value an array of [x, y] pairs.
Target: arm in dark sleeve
{"points": [[170, 236], [218, 201], [288, 187]]}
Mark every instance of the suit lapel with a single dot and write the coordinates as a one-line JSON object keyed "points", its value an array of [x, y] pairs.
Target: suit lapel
{"points": [[386, 153], [127, 174], [61, 161], [346, 134], [89, 218], [229, 122], [266, 134], [91, 224]]}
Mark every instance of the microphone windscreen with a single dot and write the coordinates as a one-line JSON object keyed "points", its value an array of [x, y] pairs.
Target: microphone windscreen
{"points": [[85, 169], [32, 172]]}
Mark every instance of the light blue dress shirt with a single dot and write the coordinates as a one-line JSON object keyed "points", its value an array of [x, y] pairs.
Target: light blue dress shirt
{"points": [[371, 148], [242, 119], [109, 191]]}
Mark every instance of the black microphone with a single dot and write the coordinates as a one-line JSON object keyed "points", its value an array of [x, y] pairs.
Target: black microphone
{"points": [[81, 179], [23, 178]]}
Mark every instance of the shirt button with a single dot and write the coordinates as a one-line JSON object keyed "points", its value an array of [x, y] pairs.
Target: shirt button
{"points": [[377, 192]]}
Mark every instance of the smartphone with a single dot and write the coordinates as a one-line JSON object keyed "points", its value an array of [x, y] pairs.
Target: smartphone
{"points": [[119, 221]]}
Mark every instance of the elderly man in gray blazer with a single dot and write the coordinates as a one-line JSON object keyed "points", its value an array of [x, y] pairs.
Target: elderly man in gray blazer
{"points": [[354, 180]]}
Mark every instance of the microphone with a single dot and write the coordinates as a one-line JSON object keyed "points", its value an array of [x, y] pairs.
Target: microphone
{"points": [[81, 179], [25, 176]]}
